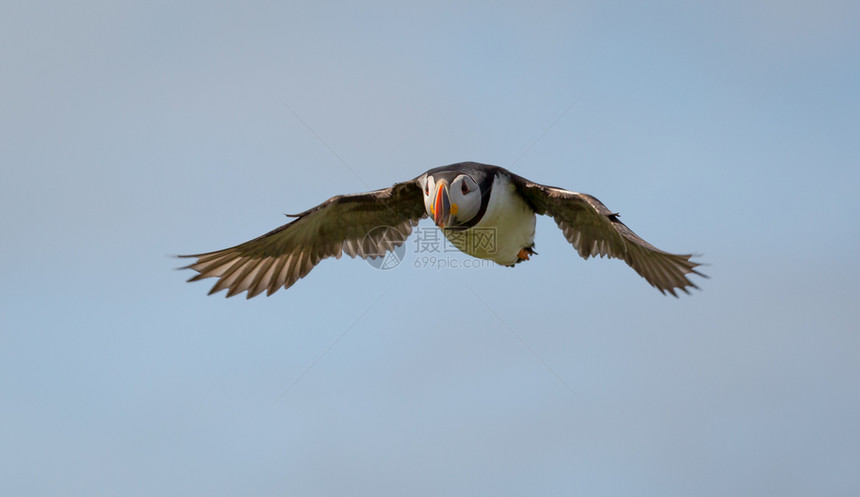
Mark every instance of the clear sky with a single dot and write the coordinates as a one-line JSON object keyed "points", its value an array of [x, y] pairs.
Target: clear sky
{"points": [[132, 131]]}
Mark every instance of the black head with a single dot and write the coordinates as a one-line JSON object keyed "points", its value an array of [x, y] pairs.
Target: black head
{"points": [[456, 196]]}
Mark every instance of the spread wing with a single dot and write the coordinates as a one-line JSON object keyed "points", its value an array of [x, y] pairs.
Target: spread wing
{"points": [[594, 230], [367, 225]]}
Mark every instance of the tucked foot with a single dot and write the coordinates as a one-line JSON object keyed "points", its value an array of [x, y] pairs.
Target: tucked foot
{"points": [[525, 253]]}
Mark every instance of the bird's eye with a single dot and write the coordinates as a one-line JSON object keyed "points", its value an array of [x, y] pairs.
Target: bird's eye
{"points": [[464, 188], [427, 188]]}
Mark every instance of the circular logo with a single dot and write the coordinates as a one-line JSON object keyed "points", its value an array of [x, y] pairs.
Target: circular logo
{"points": [[387, 247]]}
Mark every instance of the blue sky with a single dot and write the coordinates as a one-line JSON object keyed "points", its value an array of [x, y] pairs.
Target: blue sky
{"points": [[132, 131]]}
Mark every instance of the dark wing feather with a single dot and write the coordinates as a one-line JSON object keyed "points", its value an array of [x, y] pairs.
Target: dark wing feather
{"points": [[342, 224], [594, 230]]}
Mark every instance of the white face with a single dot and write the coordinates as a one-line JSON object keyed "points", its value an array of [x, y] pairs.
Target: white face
{"points": [[464, 197]]}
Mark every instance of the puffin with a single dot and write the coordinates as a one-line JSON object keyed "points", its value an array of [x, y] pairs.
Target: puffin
{"points": [[485, 211]]}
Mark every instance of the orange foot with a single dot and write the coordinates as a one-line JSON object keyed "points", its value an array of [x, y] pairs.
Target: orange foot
{"points": [[525, 253]]}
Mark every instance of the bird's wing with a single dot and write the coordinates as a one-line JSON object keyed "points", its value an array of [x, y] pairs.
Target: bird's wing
{"points": [[367, 225], [594, 230]]}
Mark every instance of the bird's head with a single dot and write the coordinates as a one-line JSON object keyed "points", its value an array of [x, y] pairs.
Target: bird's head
{"points": [[452, 198]]}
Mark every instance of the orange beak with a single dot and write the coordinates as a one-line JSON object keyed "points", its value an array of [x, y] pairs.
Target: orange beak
{"points": [[442, 206]]}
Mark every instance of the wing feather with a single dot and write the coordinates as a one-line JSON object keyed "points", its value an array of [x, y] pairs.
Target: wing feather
{"points": [[594, 230], [342, 224]]}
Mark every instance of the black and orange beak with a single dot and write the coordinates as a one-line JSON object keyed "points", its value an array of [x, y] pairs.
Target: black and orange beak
{"points": [[442, 205]]}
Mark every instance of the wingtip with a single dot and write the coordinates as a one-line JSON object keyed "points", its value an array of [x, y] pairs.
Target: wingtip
{"points": [[700, 264], [177, 256]]}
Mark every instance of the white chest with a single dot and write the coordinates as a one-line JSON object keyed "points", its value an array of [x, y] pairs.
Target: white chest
{"points": [[507, 226]]}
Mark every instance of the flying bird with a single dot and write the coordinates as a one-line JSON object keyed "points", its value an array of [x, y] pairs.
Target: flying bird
{"points": [[467, 201]]}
